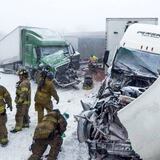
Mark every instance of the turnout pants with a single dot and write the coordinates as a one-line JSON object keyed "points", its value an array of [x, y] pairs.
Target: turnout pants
{"points": [[3, 129], [26, 119], [40, 109], [40, 145], [22, 111]]}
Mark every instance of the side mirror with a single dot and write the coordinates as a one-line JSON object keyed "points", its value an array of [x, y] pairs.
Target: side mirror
{"points": [[72, 48], [105, 58]]}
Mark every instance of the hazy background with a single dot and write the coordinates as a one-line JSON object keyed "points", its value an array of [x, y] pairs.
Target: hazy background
{"points": [[71, 15]]}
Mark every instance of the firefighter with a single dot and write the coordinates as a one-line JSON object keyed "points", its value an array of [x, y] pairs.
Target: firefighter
{"points": [[22, 100], [49, 131], [5, 98], [92, 65], [45, 91], [93, 59]]}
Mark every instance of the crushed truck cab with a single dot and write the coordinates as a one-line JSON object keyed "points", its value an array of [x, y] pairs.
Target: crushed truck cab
{"points": [[136, 62], [135, 68], [36, 48]]}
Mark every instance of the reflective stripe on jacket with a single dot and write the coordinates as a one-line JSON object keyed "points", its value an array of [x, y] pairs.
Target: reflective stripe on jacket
{"points": [[23, 93], [5, 98]]}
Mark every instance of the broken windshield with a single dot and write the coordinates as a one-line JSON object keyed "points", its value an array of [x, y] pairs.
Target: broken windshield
{"points": [[137, 62], [51, 50]]}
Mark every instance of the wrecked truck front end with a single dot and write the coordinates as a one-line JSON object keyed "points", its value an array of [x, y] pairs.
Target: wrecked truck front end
{"points": [[101, 129], [60, 63], [132, 72], [134, 69]]}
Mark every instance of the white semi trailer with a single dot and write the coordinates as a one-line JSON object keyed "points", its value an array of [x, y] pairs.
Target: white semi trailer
{"points": [[115, 29]]}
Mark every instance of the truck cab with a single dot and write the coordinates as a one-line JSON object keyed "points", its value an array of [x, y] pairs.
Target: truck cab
{"points": [[39, 42], [42, 47], [137, 60], [42, 51], [135, 67]]}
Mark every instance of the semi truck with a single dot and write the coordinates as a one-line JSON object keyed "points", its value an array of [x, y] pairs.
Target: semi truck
{"points": [[39, 48], [115, 29], [141, 117], [122, 122]]}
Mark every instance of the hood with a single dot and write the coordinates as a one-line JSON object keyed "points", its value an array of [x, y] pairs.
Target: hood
{"points": [[56, 59]]}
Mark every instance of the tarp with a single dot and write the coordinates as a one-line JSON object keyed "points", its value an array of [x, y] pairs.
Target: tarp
{"points": [[141, 119]]}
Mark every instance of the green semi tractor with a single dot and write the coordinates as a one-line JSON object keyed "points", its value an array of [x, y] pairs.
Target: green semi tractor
{"points": [[37, 49]]}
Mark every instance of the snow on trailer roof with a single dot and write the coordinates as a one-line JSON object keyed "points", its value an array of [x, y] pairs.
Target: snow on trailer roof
{"points": [[44, 32], [144, 37]]}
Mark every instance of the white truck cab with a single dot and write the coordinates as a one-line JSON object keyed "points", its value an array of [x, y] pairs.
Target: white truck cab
{"points": [[141, 118], [137, 59], [135, 67], [144, 37]]}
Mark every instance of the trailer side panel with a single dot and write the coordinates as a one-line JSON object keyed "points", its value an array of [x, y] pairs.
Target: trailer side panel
{"points": [[10, 47]]}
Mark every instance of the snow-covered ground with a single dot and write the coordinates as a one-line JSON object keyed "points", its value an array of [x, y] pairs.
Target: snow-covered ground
{"points": [[19, 143]]}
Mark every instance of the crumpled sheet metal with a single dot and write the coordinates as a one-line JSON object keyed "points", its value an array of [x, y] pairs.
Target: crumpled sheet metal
{"points": [[142, 121]]}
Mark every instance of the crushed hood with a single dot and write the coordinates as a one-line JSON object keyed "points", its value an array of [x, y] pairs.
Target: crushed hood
{"points": [[56, 59]]}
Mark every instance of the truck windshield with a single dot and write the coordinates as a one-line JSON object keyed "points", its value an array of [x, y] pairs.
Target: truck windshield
{"points": [[51, 50], [140, 62]]}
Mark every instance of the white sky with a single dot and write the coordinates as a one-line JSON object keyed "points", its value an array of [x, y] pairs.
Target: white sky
{"points": [[72, 15]]}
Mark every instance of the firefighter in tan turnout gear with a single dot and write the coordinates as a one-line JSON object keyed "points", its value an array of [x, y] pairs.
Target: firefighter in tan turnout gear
{"points": [[45, 91], [5, 98], [22, 100], [49, 132]]}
